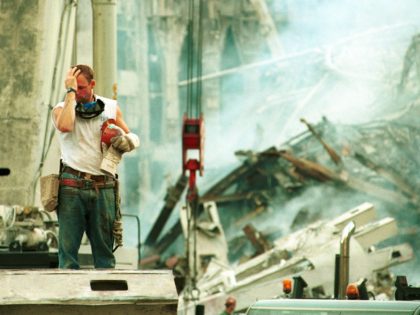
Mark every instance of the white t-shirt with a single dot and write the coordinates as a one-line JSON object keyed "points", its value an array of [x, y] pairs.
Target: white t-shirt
{"points": [[81, 148]]}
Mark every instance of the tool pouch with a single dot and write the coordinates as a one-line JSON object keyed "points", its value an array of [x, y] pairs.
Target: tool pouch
{"points": [[49, 192]]}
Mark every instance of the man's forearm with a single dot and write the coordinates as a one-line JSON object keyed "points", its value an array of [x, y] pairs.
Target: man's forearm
{"points": [[65, 119]]}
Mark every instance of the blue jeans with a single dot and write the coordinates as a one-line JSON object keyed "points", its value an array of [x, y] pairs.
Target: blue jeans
{"points": [[85, 210]]}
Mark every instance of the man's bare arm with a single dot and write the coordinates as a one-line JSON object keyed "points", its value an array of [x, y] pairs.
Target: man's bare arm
{"points": [[64, 117], [127, 142], [119, 121]]}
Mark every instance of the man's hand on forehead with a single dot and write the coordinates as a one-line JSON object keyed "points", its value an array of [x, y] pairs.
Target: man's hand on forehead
{"points": [[71, 79], [75, 72]]}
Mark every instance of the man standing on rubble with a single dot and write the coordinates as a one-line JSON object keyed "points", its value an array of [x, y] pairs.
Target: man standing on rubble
{"points": [[88, 197], [230, 305]]}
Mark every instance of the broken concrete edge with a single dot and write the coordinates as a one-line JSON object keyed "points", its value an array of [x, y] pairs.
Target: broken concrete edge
{"points": [[74, 287]]}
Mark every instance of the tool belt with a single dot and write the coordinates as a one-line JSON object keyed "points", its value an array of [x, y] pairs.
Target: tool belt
{"points": [[86, 180], [85, 184], [83, 175]]}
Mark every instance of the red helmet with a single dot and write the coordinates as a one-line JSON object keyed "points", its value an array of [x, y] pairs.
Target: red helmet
{"points": [[110, 130]]}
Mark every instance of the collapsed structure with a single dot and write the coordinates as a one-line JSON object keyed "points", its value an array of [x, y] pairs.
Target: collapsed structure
{"points": [[310, 178], [349, 164]]}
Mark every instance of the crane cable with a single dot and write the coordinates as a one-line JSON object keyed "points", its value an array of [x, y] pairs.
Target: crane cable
{"points": [[193, 115], [194, 58]]}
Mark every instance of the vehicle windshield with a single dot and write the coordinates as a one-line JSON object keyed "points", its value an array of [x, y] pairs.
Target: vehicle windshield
{"points": [[334, 307]]}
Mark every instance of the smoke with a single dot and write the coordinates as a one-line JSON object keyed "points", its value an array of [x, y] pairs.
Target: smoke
{"points": [[348, 60], [354, 57], [339, 59]]}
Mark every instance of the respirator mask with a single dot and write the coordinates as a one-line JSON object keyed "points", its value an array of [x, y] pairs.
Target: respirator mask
{"points": [[90, 110]]}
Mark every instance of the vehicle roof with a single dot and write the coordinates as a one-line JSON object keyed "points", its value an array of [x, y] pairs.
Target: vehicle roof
{"points": [[302, 304]]}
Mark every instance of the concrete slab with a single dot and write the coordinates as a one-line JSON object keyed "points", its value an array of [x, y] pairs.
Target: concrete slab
{"points": [[101, 292]]}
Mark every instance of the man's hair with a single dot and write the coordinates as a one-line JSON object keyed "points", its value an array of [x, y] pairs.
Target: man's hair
{"points": [[230, 301], [86, 71]]}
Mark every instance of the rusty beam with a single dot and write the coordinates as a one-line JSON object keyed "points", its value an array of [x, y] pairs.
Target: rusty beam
{"points": [[260, 243], [331, 152], [169, 237], [322, 173], [166, 240], [171, 199], [233, 197]]}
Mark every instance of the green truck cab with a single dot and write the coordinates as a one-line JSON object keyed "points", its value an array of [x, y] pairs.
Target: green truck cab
{"points": [[333, 307]]}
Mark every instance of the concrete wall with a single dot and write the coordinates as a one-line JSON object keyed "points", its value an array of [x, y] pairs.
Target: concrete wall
{"points": [[29, 57]]}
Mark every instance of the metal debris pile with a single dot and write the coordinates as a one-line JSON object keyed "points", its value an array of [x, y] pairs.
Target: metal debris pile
{"points": [[375, 161]]}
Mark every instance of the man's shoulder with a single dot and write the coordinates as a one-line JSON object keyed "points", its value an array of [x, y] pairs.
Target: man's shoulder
{"points": [[224, 313], [60, 104], [106, 100]]}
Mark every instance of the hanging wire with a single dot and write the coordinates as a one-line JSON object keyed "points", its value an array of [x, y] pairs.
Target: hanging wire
{"points": [[194, 69], [190, 53], [194, 206], [49, 134], [199, 58], [194, 57]]}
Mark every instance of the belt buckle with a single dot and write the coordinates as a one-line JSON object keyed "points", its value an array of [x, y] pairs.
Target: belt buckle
{"points": [[87, 180], [88, 184]]}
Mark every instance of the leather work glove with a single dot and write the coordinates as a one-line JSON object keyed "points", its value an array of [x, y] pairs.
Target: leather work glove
{"points": [[126, 142], [111, 159]]}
